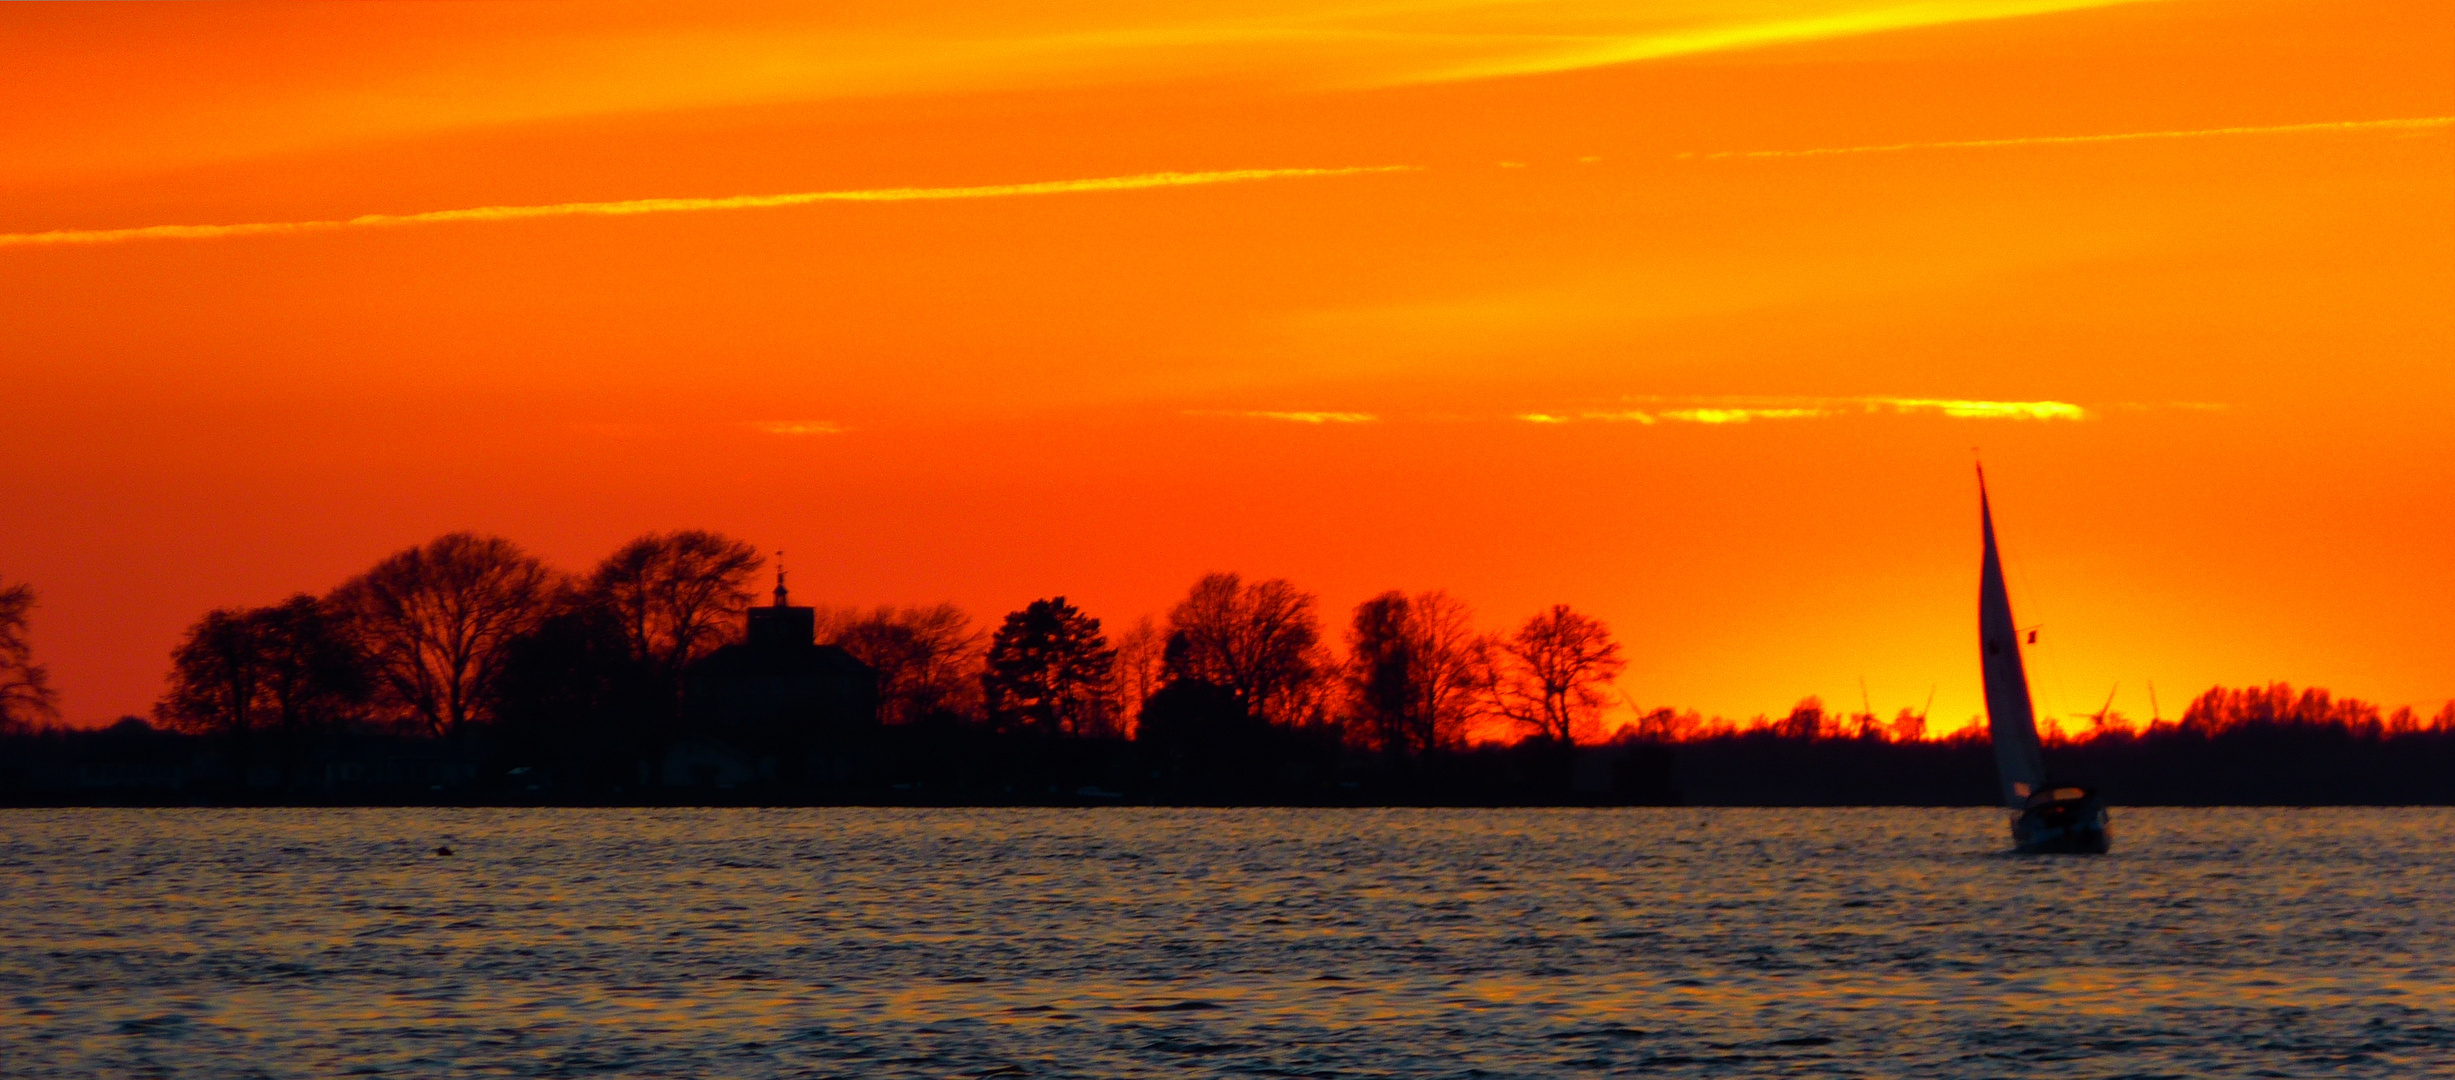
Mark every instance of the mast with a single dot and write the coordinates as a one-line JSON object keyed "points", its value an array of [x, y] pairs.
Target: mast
{"points": [[2011, 720]]}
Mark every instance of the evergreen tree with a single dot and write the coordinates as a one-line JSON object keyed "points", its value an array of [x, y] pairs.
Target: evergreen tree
{"points": [[1048, 671]]}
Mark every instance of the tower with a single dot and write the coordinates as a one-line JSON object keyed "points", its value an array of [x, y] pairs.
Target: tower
{"points": [[780, 625]]}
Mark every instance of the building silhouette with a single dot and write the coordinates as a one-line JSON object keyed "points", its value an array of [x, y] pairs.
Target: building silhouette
{"points": [[775, 706]]}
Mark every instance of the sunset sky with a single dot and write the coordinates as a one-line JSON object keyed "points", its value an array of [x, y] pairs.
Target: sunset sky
{"points": [[1689, 313]]}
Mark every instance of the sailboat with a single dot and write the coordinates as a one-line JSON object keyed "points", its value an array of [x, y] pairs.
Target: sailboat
{"points": [[2046, 817]]}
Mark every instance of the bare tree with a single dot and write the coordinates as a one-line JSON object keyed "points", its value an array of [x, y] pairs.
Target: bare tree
{"points": [[1049, 669], [1261, 643], [286, 669], [25, 686], [928, 659], [216, 678], [1457, 670], [1560, 663], [1382, 670], [678, 596], [1140, 668], [1664, 725], [313, 677], [1416, 671], [435, 621]]}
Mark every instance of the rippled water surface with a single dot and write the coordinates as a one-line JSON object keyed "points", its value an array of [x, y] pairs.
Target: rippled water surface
{"points": [[1120, 942]]}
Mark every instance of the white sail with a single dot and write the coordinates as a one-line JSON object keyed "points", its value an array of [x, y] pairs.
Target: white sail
{"points": [[2011, 721]]}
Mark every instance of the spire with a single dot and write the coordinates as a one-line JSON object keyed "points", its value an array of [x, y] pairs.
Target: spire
{"points": [[781, 626]]}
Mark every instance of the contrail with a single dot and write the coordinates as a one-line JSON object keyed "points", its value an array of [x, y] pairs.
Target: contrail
{"points": [[676, 206], [2415, 124]]}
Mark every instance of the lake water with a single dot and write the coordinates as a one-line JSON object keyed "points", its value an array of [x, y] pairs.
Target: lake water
{"points": [[1125, 942]]}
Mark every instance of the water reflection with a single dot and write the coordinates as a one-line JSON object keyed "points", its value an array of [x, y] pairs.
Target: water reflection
{"points": [[1152, 942]]}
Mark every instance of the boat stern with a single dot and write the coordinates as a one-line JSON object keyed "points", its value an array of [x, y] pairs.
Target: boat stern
{"points": [[2063, 821]]}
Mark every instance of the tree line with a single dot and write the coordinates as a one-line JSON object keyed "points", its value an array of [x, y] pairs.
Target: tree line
{"points": [[2220, 712], [465, 669], [467, 632]]}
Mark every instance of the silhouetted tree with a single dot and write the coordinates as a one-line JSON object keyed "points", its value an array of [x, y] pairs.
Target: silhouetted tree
{"points": [[1381, 673], [25, 686], [1048, 670], [286, 670], [927, 659], [1140, 668], [216, 677], [1416, 672], [574, 699], [1459, 666], [315, 677], [435, 621], [1666, 725], [1908, 726], [1972, 731], [2276, 705], [677, 597], [1260, 643], [1806, 720], [1205, 737], [1559, 664]]}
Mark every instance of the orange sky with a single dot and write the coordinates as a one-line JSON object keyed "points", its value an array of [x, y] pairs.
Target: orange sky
{"points": [[2223, 232]]}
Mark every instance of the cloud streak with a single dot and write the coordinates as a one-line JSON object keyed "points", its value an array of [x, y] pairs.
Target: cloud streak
{"points": [[630, 207], [2413, 124], [1737, 416], [1589, 51], [1291, 417], [1985, 410], [1725, 412]]}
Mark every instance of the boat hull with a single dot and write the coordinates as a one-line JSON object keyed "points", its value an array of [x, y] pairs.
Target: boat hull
{"points": [[2063, 827]]}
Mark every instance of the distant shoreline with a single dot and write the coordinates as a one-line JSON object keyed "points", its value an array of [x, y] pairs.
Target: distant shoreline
{"points": [[2258, 763], [1087, 804]]}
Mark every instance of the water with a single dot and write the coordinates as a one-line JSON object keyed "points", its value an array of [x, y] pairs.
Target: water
{"points": [[1121, 942]]}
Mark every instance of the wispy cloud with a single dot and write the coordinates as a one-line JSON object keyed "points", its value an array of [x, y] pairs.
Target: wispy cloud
{"points": [[1290, 417], [1569, 53], [1737, 416], [1985, 410], [630, 207], [2411, 124], [1729, 411], [533, 66], [798, 427]]}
